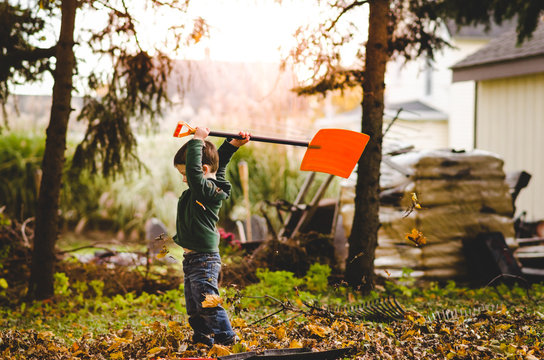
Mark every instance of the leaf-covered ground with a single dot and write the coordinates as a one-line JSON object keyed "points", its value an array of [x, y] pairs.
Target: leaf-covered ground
{"points": [[78, 324], [503, 334], [123, 313]]}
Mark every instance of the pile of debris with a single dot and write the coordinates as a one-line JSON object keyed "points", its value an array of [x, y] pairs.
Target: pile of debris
{"points": [[449, 197]]}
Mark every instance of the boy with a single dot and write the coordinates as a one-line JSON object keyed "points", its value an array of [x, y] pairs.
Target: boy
{"points": [[203, 168]]}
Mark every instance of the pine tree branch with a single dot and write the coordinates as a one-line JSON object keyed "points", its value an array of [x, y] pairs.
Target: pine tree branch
{"points": [[17, 56]]}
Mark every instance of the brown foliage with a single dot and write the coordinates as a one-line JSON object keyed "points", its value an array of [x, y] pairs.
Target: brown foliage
{"points": [[295, 255]]}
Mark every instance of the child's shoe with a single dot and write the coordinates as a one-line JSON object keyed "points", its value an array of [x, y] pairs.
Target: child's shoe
{"points": [[230, 341], [202, 339]]}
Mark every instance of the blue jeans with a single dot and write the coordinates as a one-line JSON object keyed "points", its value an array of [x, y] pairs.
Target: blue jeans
{"points": [[201, 271]]}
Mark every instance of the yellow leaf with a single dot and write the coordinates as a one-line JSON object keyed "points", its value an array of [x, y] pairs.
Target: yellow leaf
{"points": [[117, 355], [502, 327], [164, 251], [174, 326], [416, 237], [196, 37], [212, 301], [219, 350], [295, 344], [238, 322], [239, 348], [340, 326], [280, 332], [511, 349], [45, 335], [317, 330], [155, 350]]}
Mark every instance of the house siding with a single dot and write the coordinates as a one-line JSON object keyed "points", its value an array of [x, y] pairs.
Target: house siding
{"points": [[510, 123], [461, 121]]}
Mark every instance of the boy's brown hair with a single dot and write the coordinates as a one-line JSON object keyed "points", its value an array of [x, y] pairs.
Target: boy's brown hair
{"points": [[210, 156]]}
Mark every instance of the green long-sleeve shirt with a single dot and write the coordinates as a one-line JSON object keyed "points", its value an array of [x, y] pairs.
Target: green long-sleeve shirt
{"points": [[198, 206]]}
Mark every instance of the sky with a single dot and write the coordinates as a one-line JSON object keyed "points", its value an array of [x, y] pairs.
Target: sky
{"points": [[250, 30], [239, 30]]}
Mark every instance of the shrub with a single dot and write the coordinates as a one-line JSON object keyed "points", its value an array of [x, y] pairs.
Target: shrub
{"points": [[20, 159]]}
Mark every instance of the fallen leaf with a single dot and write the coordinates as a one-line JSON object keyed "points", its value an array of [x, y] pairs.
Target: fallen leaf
{"points": [[340, 326], [155, 350], [317, 330], [280, 332], [502, 327], [238, 322], [174, 326], [219, 350], [118, 355], [44, 335], [295, 344], [212, 301]]}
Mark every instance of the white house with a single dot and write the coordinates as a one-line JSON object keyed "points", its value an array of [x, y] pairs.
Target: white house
{"points": [[508, 96], [436, 113]]}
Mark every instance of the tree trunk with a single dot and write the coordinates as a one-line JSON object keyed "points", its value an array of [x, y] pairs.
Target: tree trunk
{"points": [[47, 217], [364, 234]]}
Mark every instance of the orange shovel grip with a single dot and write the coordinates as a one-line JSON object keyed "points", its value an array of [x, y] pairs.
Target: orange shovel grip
{"points": [[181, 124]]}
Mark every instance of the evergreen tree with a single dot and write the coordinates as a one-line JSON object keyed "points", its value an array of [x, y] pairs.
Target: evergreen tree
{"points": [[135, 88]]}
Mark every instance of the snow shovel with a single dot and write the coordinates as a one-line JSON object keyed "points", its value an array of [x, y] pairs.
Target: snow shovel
{"points": [[332, 151]]}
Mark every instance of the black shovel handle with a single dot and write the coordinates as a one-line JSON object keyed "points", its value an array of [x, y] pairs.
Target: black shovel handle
{"points": [[260, 138]]}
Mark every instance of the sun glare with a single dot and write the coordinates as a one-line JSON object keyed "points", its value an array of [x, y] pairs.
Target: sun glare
{"points": [[238, 31], [242, 30]]}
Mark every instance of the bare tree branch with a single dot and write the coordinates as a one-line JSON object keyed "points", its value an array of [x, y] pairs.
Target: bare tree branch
{"points": [[131, 21], [344, 11]]}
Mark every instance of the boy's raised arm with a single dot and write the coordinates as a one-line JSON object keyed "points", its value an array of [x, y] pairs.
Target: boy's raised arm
{"points": [[225, 154]]}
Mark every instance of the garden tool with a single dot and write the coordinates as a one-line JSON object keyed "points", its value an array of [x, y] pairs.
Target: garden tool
{"points": [[244, 181], [332, 151]]}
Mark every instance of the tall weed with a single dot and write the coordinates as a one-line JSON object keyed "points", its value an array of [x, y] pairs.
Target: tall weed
{"points": [[126, 202]]}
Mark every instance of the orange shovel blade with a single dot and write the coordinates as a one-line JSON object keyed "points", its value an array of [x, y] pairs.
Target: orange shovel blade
{"points": [[334, 151]]}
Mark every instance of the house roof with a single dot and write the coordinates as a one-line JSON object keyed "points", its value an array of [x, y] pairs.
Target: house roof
{"points": [[414, 110], [480, 31], [503, 57], [411, 111], [414, 105]]}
